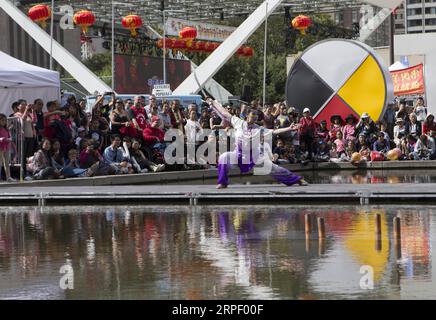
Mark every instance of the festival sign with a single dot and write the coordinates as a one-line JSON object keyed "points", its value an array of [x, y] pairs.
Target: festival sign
{"points": [[205, 31], [339, 77], [409, 81]]}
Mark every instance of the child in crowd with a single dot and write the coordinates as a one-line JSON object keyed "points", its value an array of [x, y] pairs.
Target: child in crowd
{"points": [[340, 143], [322, 153], [349, 129], [81, 133]]}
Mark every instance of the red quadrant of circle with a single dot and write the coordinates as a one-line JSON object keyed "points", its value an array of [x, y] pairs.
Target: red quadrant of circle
{"points": [[336, 106]]}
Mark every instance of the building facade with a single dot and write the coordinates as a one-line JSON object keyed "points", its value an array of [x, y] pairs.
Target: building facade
{"points": [[420, 16]]}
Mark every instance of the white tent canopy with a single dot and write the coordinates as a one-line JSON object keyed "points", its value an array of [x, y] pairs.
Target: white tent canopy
{"points": [[398, 66], [20, 80]]}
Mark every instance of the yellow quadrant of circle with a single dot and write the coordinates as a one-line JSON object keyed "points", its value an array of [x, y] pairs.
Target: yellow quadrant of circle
{"points": [[365, 91]]}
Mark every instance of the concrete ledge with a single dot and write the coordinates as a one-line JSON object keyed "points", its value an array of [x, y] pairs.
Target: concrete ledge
{"points": [[193, 195], [181, 176]]}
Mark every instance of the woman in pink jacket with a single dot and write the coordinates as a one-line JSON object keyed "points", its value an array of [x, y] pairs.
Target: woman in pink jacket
{"points": [[5, 144]]}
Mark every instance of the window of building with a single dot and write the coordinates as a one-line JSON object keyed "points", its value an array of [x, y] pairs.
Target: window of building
{"points": [[413, 12], [414, 23], [430, 22], [430, 10]]}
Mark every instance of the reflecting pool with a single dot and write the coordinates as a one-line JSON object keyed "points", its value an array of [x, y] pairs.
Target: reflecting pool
{"points": [[218, 252]]}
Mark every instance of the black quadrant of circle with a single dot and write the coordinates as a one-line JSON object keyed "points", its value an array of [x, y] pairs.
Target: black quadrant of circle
{"points": [[305, 89]]}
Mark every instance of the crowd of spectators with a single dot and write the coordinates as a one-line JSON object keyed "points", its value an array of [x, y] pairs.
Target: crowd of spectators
{"points": [[127, 136]]}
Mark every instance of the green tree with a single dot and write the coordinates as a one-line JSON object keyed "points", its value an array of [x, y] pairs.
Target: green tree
{"points": [[101, 65]]}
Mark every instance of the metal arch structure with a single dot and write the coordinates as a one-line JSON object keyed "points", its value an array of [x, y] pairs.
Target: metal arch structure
{"points": [[76, 68], [219, 57]]}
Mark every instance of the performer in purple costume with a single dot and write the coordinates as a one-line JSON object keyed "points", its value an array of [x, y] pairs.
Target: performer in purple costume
{"points": [[245, 131]]}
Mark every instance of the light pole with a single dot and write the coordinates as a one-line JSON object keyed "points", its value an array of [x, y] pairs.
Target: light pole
{"points": [[51, 35], [113, 46], [164, 49], [264, 53]]}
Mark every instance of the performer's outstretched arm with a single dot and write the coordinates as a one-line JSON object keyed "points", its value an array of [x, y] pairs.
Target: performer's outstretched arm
{"points": [[292, 127], [220, 110]]}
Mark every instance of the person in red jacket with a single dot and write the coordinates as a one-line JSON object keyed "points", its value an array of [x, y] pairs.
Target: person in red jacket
{"points": [[307, 131], [154, 136]]}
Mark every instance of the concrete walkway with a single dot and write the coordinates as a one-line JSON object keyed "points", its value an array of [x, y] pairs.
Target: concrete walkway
{"points": [[253, 194]]}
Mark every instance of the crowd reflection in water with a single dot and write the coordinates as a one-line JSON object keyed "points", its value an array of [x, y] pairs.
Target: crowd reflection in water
{"points": [[208, 253]]}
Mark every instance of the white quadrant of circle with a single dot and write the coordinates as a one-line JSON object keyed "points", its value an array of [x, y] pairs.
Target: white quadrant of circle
{"points": [[335, 61]]}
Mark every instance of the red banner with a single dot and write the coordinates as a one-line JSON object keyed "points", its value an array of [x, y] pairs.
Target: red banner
{"points": [[409, 81]]}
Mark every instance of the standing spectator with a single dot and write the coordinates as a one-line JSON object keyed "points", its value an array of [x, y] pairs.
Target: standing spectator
{"points": [[307, 131], [402, 112], [205, 119], [5, 145], [420, 110], [53, 113], [389, 119], [139, 116], [336, 127], [322, 132], [193, 128], [269, 118], [165, 117], [349, 130], [428, 124], [152, 102], [28, 119], [178, 119], [120, 121], [39, 127], [14, 108]]}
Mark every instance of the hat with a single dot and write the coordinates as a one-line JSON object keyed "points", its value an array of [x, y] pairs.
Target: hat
{"points": [[336, 116], [323, 121], [155, 118], [306, 110], [399, 120], [350, 116], [81, 129], [365, 115]]}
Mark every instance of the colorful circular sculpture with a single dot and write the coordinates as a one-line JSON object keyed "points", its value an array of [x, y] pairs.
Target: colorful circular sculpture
{"points": [[339, 77]]}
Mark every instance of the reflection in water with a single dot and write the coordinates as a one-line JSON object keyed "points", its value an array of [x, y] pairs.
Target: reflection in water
{"points": [[214, 253]]}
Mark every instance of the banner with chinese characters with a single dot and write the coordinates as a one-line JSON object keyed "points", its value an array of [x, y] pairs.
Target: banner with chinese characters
{"points": [[205, 31], [409, 81]]}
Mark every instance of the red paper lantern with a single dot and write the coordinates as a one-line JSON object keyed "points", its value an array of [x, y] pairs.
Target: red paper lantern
{"points": [[132, 22], [179, 44], [248, 52], [40, 13], [301, 23], [200, 46], [188, 33], [168, 43], [84, 19]]}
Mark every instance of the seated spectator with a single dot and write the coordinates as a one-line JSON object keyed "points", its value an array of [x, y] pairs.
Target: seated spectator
{"points": [[349, 130], [361, 141], [141, 162], [322, 153], [408, 147], [340, 143], [72, 168], [428, 124], [280, 152], [381, 145], [42, 168], [365, 151], [92, 160], [154, 136], [113, 155], [333, 153], [424, 148], [367, 127], [57, 156], [414, 127], [399, 131], [81, 134]]}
